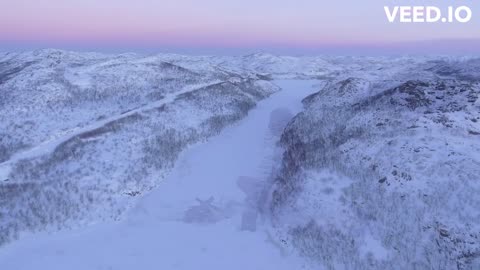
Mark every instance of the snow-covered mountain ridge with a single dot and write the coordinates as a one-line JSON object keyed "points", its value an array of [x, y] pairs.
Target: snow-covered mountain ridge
{"points": [[379, 171], [384, 173]]}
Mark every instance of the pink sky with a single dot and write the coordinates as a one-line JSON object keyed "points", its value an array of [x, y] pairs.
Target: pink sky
{"points": [[306, 24]]}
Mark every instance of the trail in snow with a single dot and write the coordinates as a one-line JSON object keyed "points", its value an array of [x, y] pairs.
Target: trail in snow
{"points": [[61, 137], [203, 216]]}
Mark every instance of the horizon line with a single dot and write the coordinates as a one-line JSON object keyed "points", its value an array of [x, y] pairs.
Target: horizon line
{"points": [[464, 46]]}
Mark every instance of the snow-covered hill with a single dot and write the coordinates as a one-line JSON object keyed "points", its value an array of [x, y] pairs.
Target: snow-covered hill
{"points": [[379, 171], [383, 173], [83, 134]]}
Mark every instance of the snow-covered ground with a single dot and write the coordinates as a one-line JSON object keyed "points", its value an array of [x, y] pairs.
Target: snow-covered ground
{"points": [[55, 140], [207, 214], [378, 169], [81, 136]]}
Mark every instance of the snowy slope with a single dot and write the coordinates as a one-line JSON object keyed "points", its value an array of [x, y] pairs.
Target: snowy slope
{"points": [[87, 155], [384, 174]]}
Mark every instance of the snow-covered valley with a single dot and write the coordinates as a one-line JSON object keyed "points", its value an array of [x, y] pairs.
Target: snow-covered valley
{"points": [[238, 162], [204, 215]]}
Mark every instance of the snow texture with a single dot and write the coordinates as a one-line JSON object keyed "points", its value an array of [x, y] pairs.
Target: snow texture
{"points": [[238, 162]]}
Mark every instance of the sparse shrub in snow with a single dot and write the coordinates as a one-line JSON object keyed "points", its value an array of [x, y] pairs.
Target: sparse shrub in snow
{"points": [[162, 150]]}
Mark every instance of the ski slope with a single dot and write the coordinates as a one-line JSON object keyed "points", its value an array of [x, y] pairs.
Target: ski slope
{"points": [[205, 215]]}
